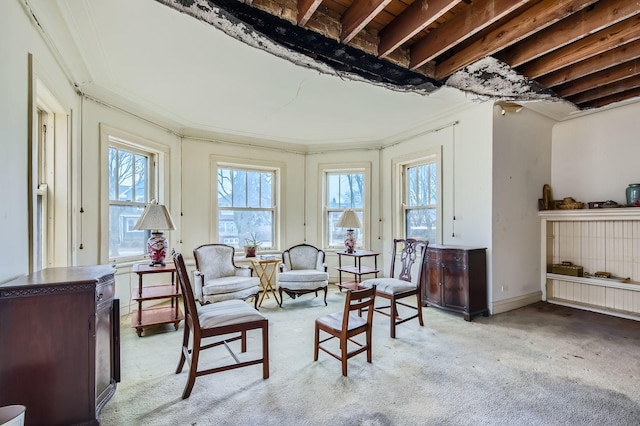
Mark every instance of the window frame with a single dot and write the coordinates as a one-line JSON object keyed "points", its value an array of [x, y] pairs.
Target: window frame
{"points": [[157, 181], [278, 170], [401, 165], [325, 170]]}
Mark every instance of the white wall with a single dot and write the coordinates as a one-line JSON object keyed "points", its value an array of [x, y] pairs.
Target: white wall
{"points": [[18, 40], [466, 178], [521, 166], [198, 188], [596, 156]]}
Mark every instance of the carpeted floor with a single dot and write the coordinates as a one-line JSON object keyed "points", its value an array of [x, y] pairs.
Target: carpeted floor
{"points": [[538, 365]]}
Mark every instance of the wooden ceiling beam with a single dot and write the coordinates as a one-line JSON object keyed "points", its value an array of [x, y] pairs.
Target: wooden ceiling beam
{"points": [[477, 16], [606, 91], [611, 58], [618, 97], [358, 15], [601, 78], [581, 24], [537, 17], [306, 8], [414, 19], [595, 44]]}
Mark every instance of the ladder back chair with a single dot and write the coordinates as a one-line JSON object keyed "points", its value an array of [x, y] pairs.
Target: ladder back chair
{"points": [[346, 325], [394, 288], [216, 319]]}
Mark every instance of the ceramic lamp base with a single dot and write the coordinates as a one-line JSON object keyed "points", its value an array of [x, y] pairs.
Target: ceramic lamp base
{"points": [[157, 248], [350, 241]]}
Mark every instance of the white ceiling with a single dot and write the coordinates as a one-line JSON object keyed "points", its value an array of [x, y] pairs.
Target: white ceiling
{"points": [[191, 77]]}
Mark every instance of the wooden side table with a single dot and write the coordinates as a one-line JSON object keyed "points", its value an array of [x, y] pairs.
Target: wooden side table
{"points": [[356, 269], [266, 271], [145, 317]]}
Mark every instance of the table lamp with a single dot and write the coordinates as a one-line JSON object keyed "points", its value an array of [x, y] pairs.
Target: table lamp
{"points": [[349, 220], [156, 218]]}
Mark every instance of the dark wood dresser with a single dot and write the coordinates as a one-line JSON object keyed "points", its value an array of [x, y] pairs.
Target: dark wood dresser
{"points": [[60, 350], [455, 279]]}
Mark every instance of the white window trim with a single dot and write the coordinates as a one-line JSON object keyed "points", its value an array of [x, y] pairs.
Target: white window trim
{"points": [[159, 191], [236, 162], [356, 167], [399, 165]]}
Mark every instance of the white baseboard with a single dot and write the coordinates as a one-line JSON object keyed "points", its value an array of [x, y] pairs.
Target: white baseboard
{"points": [[506, 305]]}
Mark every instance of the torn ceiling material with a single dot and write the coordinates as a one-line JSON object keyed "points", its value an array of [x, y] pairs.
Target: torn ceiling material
{"points": [[586, 51], [301, 46]]}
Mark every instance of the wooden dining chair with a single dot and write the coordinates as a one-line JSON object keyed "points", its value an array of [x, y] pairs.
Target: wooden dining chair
{"points": [[396, 287], [216, 319], [346, 325]]}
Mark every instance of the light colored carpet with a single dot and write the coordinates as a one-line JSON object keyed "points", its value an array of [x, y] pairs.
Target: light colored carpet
{"points": [[538, 365]]}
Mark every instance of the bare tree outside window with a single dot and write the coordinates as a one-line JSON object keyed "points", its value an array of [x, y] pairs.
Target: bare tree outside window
{"points": [[421, 201], [246, 205], [344, 190], [129, 189]]}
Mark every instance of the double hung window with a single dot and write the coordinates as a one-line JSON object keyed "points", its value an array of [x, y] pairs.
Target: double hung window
{"points": [[420, 199], [246, 200], [344, 190], [130, 176]]}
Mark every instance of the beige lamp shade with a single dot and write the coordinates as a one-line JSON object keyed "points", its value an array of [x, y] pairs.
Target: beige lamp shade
{"points": [[155, 217], [349, 219]]}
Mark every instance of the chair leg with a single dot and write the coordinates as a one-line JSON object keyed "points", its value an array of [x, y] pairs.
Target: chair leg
{"points": [[280, 301], [343, 350], [419, 310], [316, 344], [392, 318], [368, 336], [325, 295], [265, 350], [193, 368], [185, 346]]}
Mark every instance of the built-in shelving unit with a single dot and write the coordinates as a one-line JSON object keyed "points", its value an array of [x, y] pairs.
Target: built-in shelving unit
{"points": [[598, 240]]}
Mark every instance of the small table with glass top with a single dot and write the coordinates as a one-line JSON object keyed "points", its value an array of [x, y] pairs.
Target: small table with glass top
{"points": [[357, 269], [266, 271]]}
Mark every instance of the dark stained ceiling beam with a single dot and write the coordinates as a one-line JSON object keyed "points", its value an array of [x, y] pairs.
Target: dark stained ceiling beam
{"points": [[605, 91], [306, 9], [601, 78], [611, 58], [618, 97], [595, 44], [358, 15], [479, 15], [414, 19], [583, 23], [537, 17]]}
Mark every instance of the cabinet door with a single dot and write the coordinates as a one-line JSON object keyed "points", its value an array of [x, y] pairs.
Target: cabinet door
{"points": [[454, 286], [432, 291], [107, 350]]}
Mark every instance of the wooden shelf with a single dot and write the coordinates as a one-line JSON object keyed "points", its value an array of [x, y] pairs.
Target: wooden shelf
{"points": [[155, 292], [356, 268], [145, 317], [602, 282], [359, 270], [156, 316]]}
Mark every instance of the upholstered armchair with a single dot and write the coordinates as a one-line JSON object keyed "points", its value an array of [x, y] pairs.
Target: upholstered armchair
{"points": [[217, 278], [303, 271]]}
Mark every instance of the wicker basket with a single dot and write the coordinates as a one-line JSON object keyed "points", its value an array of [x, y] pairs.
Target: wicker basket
{"points": [[571, 206]]}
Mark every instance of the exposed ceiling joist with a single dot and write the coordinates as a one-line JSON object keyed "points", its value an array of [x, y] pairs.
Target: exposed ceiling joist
{"points": [[586, 50]]}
